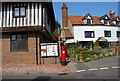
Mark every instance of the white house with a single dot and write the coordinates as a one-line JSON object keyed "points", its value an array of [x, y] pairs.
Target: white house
{"points": [[87, 29]]}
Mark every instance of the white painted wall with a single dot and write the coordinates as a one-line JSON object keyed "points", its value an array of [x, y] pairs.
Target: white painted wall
{"points": [[71, 40], [79, 34]]}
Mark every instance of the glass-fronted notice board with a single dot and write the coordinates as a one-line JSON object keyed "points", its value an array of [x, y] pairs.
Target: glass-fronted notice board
{"points": [[49, 49]]}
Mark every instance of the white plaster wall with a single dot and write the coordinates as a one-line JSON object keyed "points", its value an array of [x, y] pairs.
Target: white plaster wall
{"points": [[70, 40], [98, 31]]}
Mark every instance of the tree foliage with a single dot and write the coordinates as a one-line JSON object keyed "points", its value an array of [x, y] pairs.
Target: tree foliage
{"points": [[55, 32]]}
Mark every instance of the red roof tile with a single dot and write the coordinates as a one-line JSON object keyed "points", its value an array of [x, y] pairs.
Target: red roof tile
{"points": [[96, 20], [78, 19], [102, 17]]}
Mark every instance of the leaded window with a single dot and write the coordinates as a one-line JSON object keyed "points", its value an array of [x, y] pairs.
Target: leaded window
{"points": [[19, 42], [20, 11]]}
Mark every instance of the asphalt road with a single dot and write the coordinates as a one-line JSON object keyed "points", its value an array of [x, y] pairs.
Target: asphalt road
{"points": [[107, 68]]}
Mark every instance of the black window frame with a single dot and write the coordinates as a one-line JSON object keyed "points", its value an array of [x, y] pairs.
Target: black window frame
{"points": [[89, 21], [105, 21], [23, 42], [118, 23], [105, 35], [19, 11], [118, 35], [89, 32]]}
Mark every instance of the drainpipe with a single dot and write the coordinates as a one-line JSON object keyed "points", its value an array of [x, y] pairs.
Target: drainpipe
{"points": [[39, 56], [37, 47]]}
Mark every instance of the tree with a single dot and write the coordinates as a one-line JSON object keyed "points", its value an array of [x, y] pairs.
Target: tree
{"points": [[55, 32]]}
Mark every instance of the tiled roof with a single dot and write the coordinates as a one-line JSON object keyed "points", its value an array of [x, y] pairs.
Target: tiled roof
{"points": [[104, 16], [78, 19], [96, 20], [67, 33]]}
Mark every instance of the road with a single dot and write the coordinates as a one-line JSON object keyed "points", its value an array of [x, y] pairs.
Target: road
{"points": [[107, 68]]}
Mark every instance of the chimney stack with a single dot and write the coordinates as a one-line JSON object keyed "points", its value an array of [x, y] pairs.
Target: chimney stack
{"points": [[112, 14], [64, 15]]}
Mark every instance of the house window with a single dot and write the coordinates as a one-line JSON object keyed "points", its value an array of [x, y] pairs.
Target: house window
{"points": [[107, 33], [118, 23], [89, 34], [118, 33], [105, 21], [19, 42], [89, 21], [19, 11]]}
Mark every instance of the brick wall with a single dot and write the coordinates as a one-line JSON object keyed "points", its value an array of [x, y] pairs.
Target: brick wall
{"points": [[118, 49], [64, 15], [19, 58], [50, 60], [24, 57], [114, 43]]}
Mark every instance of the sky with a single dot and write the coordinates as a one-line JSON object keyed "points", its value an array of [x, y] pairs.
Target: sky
{"points": [[82, 8]]}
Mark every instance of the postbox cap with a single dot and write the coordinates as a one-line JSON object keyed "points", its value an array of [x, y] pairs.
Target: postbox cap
{"points": [[63, 47]]}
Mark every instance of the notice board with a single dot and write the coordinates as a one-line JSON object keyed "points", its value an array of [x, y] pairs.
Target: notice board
{"points": [[49, 49]]}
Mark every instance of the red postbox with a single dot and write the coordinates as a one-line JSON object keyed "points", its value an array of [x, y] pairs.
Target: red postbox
{"points": [[63, 55]]}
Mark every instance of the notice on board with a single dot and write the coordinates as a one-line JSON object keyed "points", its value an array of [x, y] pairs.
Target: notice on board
{"points": [[49, 50]]}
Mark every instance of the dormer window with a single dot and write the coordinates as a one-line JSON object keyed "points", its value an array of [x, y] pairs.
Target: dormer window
{"points": [[89, 21], [105, 21], [118, 23], [19, 11]]}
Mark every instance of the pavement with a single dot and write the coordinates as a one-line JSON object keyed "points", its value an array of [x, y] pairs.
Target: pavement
{"points": [[106, 68], [100, 63], [49, 68], [71, 66]]}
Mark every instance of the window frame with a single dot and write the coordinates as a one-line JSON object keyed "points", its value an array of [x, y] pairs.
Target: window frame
{"points": [[89, 36], [106, 32], [90, 21], [118, 23], [19, 11], [106, 21], [117, 33], [16, 40]]}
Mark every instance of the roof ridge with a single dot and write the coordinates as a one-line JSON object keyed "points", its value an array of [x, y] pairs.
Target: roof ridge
{"points": [[81, 16]]}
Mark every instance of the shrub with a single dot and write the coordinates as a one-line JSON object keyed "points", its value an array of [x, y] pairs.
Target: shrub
{"points": [[78, 57], [84, 56], [83, 49], [95, 58], [87, 60], [97, 47], [104, 44], [74, 55], [101, 57]]}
